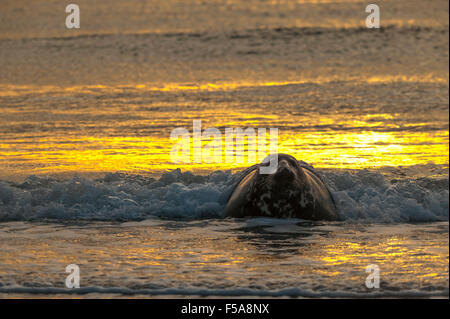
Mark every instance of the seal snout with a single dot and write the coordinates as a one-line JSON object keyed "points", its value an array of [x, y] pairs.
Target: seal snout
{"points": [[284, 173]]}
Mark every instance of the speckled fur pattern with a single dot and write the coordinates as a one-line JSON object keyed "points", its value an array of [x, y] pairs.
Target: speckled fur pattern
{"points": [[299, 196]]}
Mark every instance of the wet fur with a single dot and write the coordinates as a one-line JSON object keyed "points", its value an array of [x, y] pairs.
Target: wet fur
{"points": [[305, 197]]}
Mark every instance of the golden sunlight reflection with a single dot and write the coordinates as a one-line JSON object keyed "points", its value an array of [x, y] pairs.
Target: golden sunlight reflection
{"points": [[143, 154], [157, 253], [135, 137], [395, 255], [14, 90]]}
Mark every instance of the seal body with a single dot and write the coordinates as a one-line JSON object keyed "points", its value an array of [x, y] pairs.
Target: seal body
{"points": [[293, 190]]}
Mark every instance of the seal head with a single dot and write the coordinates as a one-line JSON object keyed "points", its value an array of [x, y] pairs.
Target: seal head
{"points": [[294, 190]]}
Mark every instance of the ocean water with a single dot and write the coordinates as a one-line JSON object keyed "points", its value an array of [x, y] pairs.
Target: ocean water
{"points": [[86, 176]]}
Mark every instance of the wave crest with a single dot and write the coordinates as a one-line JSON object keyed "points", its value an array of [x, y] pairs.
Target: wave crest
{"points": [[361, 196]]}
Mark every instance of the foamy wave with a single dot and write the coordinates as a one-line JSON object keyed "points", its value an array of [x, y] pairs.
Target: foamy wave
{"points": [[370, 196], [288, 292], [360, 196]]}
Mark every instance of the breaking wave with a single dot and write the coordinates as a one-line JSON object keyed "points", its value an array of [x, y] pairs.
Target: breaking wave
{"points": [[361, 196], [288, 292]]}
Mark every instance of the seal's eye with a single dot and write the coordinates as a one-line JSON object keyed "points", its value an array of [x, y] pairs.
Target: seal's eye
{"points": [[293, 162]]}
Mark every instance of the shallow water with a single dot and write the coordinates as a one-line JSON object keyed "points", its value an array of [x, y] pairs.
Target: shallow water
{"points": [[256, 257], [138, 237], [85, 124], [106, 97]]}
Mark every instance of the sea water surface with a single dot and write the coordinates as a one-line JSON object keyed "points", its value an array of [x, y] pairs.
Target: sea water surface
{"points": [[86, 176]]}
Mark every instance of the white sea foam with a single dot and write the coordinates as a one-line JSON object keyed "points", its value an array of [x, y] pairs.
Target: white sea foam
{"points": [[361, 195], [288, 292]]}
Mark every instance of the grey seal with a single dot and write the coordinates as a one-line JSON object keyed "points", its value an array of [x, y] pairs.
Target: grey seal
{"points": [[293, 190]]}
